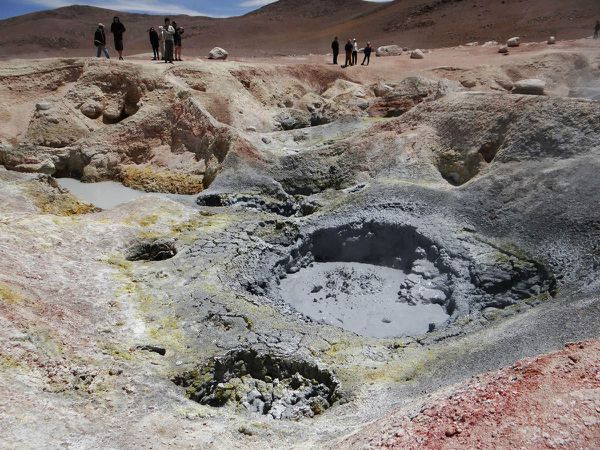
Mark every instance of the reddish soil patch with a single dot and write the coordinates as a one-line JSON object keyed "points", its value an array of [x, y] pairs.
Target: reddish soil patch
{"points": [[552, 401]]}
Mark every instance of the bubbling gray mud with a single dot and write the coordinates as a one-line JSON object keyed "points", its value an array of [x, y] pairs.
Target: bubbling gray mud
{"points": [[391, 280], [362, 298]]}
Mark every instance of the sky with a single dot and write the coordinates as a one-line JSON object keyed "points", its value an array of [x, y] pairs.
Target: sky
{"points": [[215, 8]]}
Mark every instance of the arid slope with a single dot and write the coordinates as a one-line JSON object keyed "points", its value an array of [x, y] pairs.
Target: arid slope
{"points": [[301, 27]]}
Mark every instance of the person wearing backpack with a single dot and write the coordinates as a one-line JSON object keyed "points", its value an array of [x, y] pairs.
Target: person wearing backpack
{"points": [[100, 42], [348, 48]]}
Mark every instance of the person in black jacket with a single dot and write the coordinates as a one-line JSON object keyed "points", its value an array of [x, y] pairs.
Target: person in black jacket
{"points": [[117, 29], [177, 40], [335, 46], [100, 41], [368, 49], [348, 47], [154, 42], [597, 29]]}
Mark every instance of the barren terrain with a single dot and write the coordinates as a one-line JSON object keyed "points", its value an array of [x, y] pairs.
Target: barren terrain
{"points": [[431, 184], [308, 26]]}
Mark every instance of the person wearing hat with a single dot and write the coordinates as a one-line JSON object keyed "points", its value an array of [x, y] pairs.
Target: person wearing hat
{"points": [[100, 41], [354, 52]]}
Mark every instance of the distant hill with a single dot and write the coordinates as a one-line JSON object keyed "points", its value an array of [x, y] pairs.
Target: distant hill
{"points": [[307, 26]]}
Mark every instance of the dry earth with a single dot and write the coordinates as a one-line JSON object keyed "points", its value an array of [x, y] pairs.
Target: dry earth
{"points": [[308, 26], [162, 322]]}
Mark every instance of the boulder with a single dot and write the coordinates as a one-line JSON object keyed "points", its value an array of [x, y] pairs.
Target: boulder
{"points": [[468, 82], [389, 50], [417, 54], [218, 53], [505, 84], [490, 44], [531, 86], [513, 42], [91, 109], [292, 119], [551, 40], [43, 106], [381, 89], [503, 50]]}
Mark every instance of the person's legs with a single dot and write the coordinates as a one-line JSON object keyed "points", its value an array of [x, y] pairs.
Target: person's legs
{"points": [[106, 52], [335, 57], [98, 51], [368, 59], [364, 59], [168, 51]]}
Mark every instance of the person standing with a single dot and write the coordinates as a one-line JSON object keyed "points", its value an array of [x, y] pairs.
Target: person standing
{"points": [[368, 49], [335, 47], [348, 48], [168, 33], [154, 42], [100, 42], [177, 41], [354, 52], [597, 29], [117, 29]]}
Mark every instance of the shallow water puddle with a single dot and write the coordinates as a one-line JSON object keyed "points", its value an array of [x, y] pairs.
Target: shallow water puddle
{"points": [[110, 194], [358, 297]]}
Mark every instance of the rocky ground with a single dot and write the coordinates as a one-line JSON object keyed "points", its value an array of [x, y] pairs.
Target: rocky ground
{"points": [[163, 322]]}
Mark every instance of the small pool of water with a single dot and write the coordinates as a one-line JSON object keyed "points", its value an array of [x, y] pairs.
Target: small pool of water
{"points": [[358, 297], [104, 194]]}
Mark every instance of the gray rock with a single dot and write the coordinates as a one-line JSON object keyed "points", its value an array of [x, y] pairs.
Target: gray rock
{"points": [[532, 86], [91, 109], [43, 106], [381, 89], [218, 53], [292, 119], [551, 40], [389, 50], [513, 42], [417, 54], [503, 49]]}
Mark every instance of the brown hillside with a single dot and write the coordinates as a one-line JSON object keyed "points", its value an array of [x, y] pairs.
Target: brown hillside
{"points": [[307, 26]]}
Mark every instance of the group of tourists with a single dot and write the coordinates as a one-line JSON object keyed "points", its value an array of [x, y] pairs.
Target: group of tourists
{"points": [[117, 29], [169, 35], [352, 50]]}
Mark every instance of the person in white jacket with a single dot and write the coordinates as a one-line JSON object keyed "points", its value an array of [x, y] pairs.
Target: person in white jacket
{"points": [[167, 32], [354, 52]]}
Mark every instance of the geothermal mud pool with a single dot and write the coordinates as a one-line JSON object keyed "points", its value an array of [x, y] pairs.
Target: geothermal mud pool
{"points": [[363, 298], [350, 248]]}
